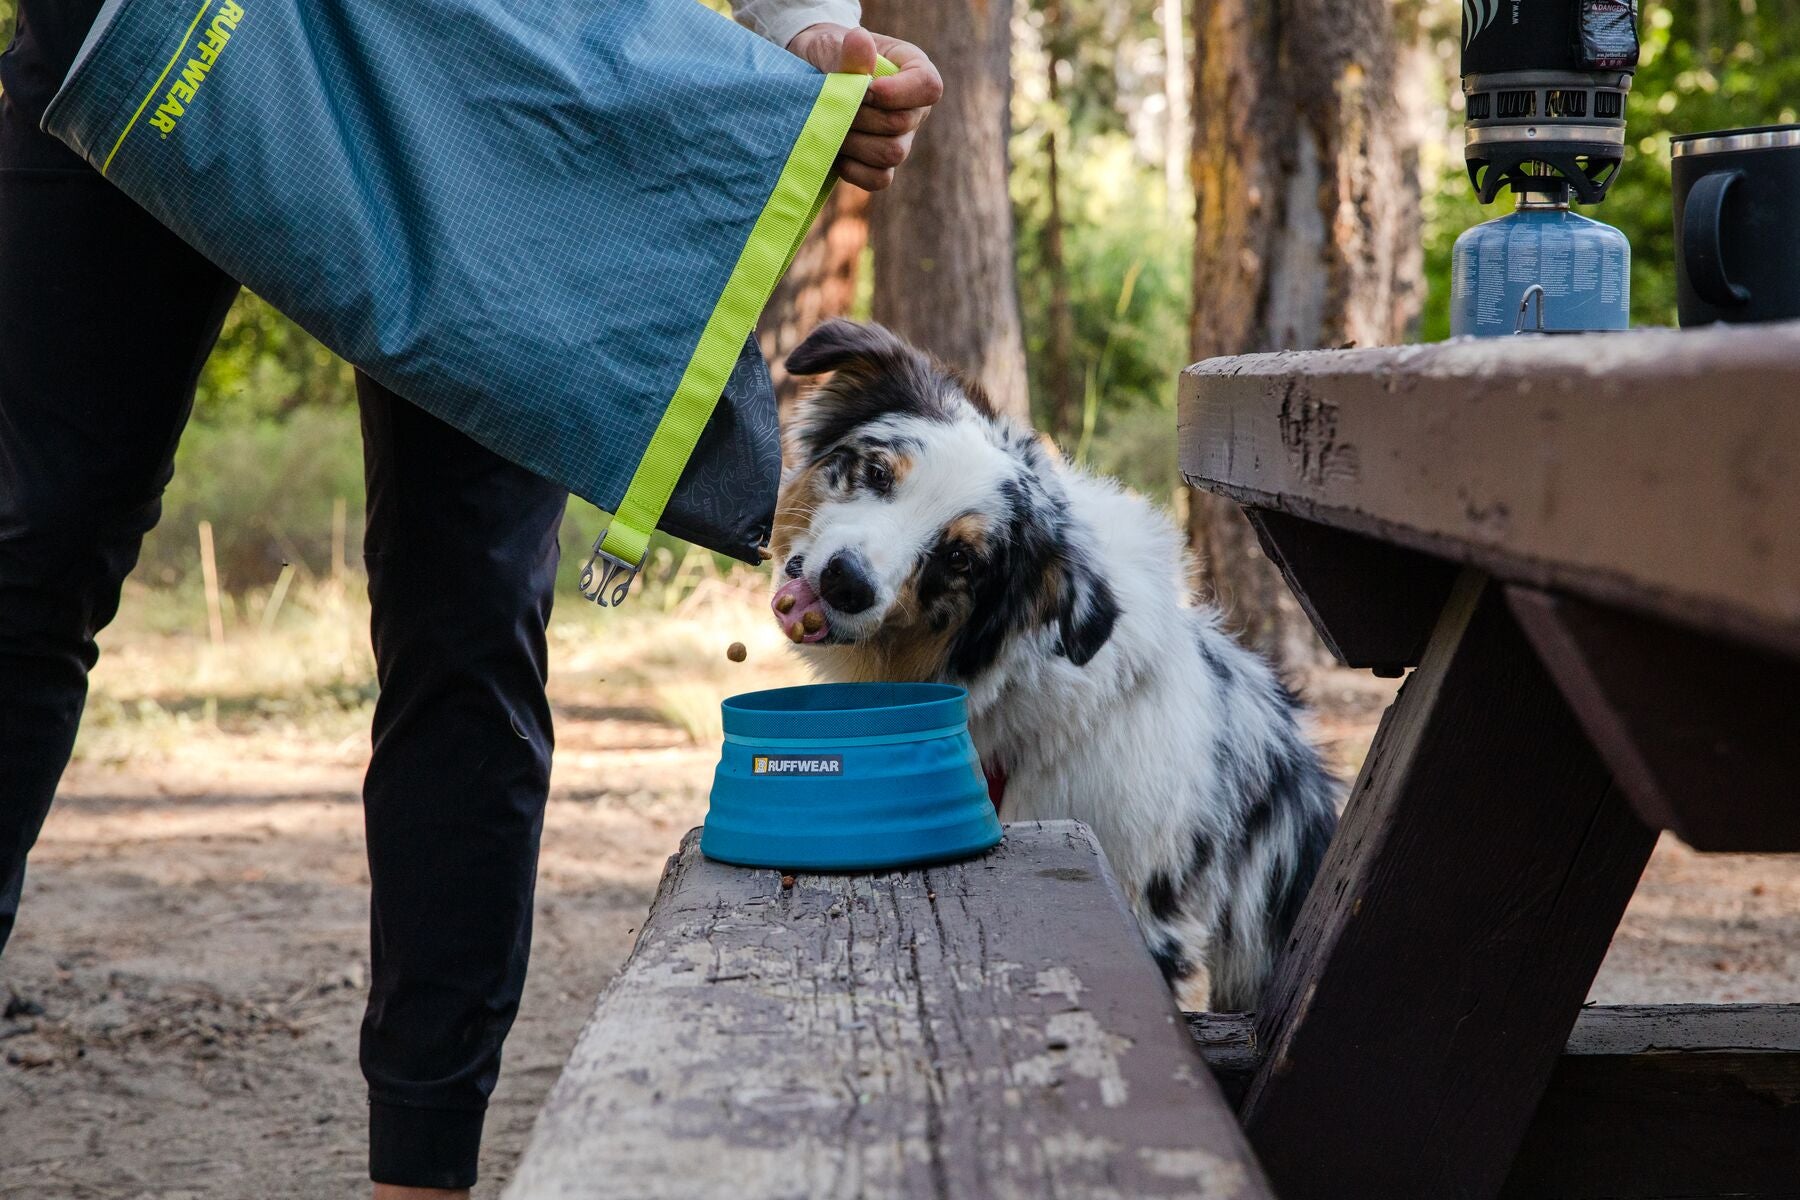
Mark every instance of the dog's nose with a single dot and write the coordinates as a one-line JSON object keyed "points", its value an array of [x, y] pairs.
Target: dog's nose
{"points": [[845, 583]]}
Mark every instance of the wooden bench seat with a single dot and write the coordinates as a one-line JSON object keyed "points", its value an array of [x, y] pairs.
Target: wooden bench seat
{"points": [[986, 1029], [1647, 1102]]}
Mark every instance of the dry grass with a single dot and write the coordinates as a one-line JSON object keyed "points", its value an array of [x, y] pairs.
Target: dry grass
{"points": [[670, 653], [161, 682], [308, 672]]}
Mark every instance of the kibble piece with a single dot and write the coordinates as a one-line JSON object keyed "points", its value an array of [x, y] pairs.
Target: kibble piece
{"points": [[795, 635], [736, 652], [813, 621], [785, 605], [787, 882]]}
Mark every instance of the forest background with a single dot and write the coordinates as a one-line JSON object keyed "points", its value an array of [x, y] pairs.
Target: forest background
{"points": [[1112, 189]]}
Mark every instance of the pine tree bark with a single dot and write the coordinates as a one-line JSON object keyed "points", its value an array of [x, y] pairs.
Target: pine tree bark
{"points": [[1059, 352], [819, 285], [943, 233], [1179, 135], [1307, 231]]}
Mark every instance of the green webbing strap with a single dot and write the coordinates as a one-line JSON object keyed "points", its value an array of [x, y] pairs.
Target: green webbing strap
{"points": [[800, 193], [883, 68]]}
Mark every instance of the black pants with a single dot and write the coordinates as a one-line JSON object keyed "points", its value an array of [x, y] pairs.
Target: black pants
{"points": [[105, 320]]}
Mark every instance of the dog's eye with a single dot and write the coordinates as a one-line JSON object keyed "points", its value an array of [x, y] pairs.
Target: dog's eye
{"points": [[877, 477], [958, 560]]}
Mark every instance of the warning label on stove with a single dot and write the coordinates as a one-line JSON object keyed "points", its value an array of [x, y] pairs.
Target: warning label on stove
{"points": [[1609, 40]]}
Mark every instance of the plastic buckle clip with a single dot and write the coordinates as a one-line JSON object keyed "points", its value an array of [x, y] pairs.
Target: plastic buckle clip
{"points": [[614, 580]]}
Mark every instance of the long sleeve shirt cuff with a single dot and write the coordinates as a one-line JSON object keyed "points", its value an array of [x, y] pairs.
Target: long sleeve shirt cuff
{"points": [[780, 20]]}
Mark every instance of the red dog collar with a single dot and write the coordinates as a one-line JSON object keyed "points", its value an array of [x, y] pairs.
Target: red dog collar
{"points": [[996, 783]]}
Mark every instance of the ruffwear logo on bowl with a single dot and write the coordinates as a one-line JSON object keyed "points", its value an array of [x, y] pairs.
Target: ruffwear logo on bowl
{"points": [[803, 764]]}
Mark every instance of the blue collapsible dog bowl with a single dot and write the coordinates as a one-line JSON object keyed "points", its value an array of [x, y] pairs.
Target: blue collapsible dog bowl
{"points": [[848, 777]]}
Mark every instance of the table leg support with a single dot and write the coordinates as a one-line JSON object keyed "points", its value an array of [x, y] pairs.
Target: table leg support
{"points": [[1702, 733], [1437, 968]]}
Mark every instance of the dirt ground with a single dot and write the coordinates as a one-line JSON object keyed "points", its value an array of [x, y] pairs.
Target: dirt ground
{"points": [[185, 983]]}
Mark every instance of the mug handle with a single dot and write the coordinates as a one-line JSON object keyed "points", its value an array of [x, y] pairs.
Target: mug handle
{"points": [[1702, 250]]}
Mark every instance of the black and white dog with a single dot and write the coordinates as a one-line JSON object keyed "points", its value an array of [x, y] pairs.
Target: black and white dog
{"points": [[924, 538]]}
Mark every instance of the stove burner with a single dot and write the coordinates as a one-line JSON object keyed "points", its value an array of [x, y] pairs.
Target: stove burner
{"points": [[1544, 85]]}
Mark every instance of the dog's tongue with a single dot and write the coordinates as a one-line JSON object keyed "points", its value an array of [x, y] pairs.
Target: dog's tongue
{"points": [[800, 611]]}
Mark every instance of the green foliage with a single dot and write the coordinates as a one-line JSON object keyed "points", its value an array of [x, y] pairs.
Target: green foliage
{"points": [[268, 485], [1128, 269], [273, 443], [1707, 64], [271, 450], [266, 366], [1127, 250]]}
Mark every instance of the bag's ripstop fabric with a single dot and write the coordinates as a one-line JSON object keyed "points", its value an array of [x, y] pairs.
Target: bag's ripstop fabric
{"points": [[543, 222]]}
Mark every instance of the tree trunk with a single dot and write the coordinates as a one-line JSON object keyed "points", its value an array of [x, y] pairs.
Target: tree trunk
{"points": [[1179, 136], [820, 284], [1307, 231], [943, 234], [1060, 350]]}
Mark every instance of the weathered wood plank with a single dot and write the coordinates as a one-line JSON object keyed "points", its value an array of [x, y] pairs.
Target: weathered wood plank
{"points": [[1669, 1103], [1647, 1102], [1659, 470], [1701, 732], [1373, 603], [1624, 1030], [993, 1028], [1444, 951], [1227, 1041]]}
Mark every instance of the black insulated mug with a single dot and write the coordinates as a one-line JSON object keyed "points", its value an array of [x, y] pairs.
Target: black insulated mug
{"points": [[1737, 225]]}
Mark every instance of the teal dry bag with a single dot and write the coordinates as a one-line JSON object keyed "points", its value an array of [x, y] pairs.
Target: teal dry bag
{"points": [[551, 224]]}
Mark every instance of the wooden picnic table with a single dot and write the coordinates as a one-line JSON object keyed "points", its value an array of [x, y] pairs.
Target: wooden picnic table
{"points": [[1587, 552]]}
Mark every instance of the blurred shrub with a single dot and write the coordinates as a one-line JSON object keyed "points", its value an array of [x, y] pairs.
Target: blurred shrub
{"points": [[271, 448], [1128, 267], [264, 365], [268, 485], [1127, 243]]}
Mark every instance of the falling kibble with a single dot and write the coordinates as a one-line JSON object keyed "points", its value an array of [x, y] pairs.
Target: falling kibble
{"points": [[787, 883], [736, 652]]}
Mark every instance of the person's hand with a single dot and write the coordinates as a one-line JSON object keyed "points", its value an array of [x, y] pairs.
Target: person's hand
{"points": [[882, 135]]}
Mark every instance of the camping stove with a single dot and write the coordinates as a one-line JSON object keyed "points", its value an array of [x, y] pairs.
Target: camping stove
{"points": [[1545, 83]]}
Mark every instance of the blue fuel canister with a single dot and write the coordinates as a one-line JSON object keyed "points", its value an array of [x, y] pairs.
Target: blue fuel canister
{"points": [[1582, 266]]}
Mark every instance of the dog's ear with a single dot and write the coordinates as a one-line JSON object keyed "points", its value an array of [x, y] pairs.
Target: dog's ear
{"points": [[878, 375], [978, 396], [1086, 608], [839, 343]]}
